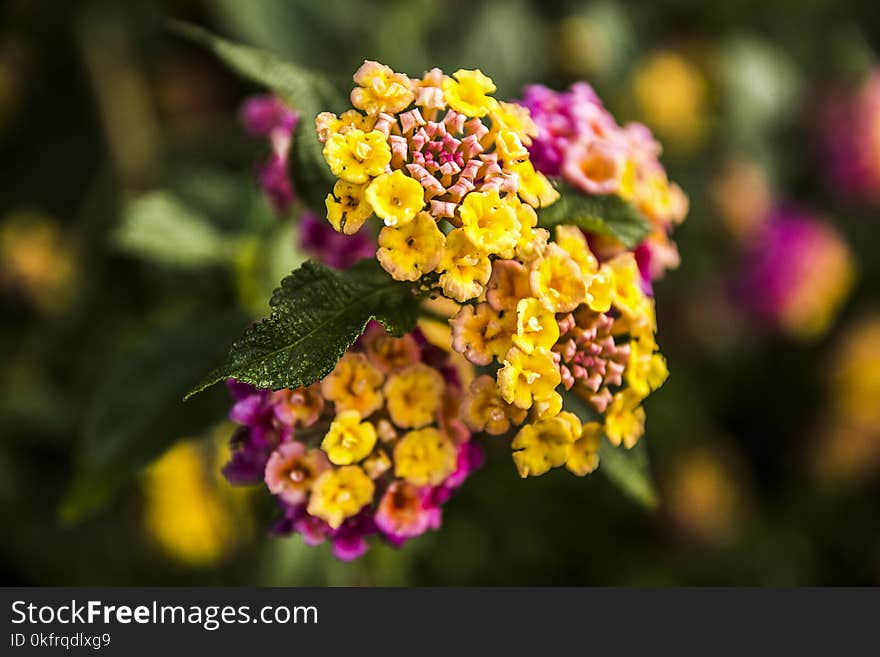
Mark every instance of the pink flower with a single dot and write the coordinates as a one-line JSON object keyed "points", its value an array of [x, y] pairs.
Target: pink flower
{"points": [[596, 166], [268, 117], [404, 512], [291, 469]]}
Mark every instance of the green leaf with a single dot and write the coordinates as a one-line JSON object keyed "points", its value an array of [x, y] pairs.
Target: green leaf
{"points": [[305, 90], [630, 470], [317, 314], [606, 215], [137, 410], [159, 227]]}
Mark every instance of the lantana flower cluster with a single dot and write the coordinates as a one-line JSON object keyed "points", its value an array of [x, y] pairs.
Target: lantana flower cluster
{"points": [[580, 141], [556, 319], [449, 171], [375, 448], [444, 165]]}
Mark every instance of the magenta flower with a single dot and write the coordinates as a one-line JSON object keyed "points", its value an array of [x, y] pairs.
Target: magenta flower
{"points": [[796, 275], [267, 117], [849, 136], [337, 250]]}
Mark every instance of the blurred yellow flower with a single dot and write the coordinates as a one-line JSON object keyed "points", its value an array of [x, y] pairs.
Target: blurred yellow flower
{"points": [[425, 457], [485, 410], [355, 384], [672, 95], [340, 493], [186, 513], [413, 395]]}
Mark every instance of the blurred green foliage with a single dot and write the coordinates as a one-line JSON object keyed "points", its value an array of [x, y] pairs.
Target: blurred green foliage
{"points": [[122, 138]]}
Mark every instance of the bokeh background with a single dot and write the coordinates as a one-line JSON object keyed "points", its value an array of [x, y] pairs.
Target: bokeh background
{"points": [[132, 233]]}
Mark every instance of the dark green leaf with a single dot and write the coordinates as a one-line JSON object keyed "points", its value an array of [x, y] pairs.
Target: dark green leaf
{"points": [[628, 469], [305, 90], [137, 411], [606, 215], [317, 314]]}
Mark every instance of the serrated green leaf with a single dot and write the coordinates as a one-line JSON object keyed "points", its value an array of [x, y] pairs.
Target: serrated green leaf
{"points": [[159, 227], [317, 314], [606, 215], [628, 469], [137, 411], [305, 90]]}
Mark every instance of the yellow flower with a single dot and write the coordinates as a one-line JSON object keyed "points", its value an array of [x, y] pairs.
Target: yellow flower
{"points": [[600, 290], [583, 456], [545, 444], [557, 281], [672, 95], [534, 187], [414, 395], [469, 91], [490, 222], [510, 147], [629, 297], [327, 123], [396, 198], [572, 240], [646, 369], [425, 457], [547, 407], [466, 268], [381, 89], [356, 156], [536, 326], [525, 377], [514, 118], [482, 333], [347, 209], [508, 284], [625, 419], [185, 511], [349, 440], [354, 385], [410, 250], [340, 493], [484, 409]]}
